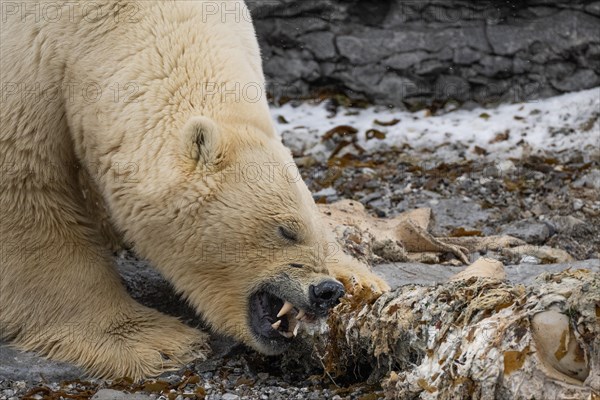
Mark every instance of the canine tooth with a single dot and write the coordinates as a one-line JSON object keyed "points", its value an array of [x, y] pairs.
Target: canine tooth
{"points": [[286, 334], [287, 306], [300, 315], [296, 329], [276, 324]]}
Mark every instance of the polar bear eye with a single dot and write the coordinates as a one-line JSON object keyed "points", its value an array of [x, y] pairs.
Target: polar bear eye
{"points": [[288, 234]]}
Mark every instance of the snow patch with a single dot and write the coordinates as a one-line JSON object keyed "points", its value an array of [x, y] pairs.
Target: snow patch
{"points": [[565, 122]]}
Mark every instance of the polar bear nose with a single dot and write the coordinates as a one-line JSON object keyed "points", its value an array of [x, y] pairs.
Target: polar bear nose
{"points": [[326, 294]]}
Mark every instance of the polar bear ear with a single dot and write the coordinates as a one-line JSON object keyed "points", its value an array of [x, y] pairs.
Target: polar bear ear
{"points": [[202, 141]]}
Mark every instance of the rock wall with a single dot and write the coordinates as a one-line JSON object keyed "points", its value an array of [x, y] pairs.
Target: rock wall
{"points": [[419, 52]]}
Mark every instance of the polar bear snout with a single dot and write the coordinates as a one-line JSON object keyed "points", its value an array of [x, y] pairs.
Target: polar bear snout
{"points": [[325, 295], [280, 307]]}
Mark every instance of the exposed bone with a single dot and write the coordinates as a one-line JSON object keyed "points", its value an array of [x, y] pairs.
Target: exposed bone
{"points": [[482, 268], [408, 235], [300, 315], [287, 307], [276, 324]]}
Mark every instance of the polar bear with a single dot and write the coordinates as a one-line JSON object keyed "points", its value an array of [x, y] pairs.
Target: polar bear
{"points": [[152, 103]]}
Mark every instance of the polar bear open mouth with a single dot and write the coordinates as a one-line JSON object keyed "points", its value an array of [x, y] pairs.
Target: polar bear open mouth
{"points": [[275, 320]]}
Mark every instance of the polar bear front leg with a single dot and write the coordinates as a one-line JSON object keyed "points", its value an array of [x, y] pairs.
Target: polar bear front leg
{"points": [[61, 296]]}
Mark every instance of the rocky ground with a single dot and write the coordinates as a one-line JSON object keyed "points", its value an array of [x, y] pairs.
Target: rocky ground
{"points": [[547, 199]]}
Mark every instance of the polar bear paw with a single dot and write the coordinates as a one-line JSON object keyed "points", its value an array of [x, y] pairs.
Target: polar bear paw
{"points": [[145, 345], [357, 277]]}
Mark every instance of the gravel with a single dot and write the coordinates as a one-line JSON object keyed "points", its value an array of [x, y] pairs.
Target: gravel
{"points": [[110, 394]]}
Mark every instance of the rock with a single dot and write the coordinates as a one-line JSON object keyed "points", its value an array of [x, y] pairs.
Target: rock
{"points": [[366, 47], [366, 78], [567, 224], [496, 65], [149, 287], [580, 80], [589, 180], [281, 8], [404, 61], [432, 67], [22, 366], [560, 69], [230, 396], [263, 375], [329, 194], [506, 167], [452, 87], [325, 192], [321, 44], [389, 87], [549, 46], [292, 67], [531, 232], [465, 56], [392, 89], [450, 213], [542, 209], [109, 394], [529, 260], [399, 274], [593, 8], [577, 204], [302, 141], [521, 65], [562, 30]]}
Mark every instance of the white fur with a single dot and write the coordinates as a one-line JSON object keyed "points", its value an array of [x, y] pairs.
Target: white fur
{"points": [[80, 172]]}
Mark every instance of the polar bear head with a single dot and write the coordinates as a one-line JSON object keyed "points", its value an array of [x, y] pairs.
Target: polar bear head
{"points": [[240, 236]]}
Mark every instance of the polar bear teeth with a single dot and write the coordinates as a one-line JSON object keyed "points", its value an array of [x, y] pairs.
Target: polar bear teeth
{"points": [[294, 326], [286, 334], [286, 308], [294, 323]]}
